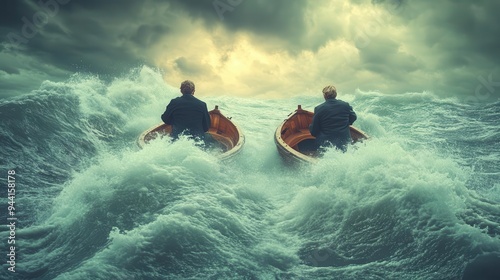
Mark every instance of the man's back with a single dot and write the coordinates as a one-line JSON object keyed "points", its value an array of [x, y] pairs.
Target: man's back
{"points": [[187, 114], [331, 122], [333, 117]]}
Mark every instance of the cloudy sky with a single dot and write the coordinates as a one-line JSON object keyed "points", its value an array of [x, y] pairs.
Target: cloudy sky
{"points": [[263, 48]]}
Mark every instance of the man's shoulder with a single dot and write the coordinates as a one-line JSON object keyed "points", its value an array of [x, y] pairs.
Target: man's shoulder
{"points": [[188, 100], [329, 104], [325, 104], [185, 98], [176, 99], [197, 101], [339, 102], [320, 106]]}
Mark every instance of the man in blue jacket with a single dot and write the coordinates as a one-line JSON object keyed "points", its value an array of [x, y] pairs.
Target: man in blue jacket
{"points": [[187, 114], [331, 121]]}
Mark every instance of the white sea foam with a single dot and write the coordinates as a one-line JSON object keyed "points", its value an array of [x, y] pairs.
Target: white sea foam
{"points": [[413, 202]]}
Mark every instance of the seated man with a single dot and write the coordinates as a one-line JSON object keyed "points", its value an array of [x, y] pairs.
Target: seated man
{"points": [[187, 114], [331, 120]]}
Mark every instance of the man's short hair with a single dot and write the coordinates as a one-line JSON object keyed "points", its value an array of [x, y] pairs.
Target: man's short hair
{"points": [[330, 92], [187, 87]]}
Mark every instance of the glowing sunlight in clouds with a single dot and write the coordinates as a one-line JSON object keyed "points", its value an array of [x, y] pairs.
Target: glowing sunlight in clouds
{"points": [[241, 63]]}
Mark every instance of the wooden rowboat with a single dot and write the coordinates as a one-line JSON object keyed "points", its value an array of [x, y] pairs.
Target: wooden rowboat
{"points": [[222, 129], [295, 142]]}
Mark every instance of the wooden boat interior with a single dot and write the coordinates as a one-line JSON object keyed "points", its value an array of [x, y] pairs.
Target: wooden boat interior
{"points": [[294, 137], [296, 129], [221, 129]]}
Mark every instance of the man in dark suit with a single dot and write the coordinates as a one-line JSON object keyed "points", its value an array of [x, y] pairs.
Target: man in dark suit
{"points": [[331, 120], [187, 114]]}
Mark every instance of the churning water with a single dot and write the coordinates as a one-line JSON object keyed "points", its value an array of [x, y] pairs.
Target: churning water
{"points": [[420, 200]]}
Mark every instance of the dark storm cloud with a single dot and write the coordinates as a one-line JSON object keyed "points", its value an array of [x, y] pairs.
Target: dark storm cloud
{"points": [[282, 18], [190, 68], [76, 35], [11, 12], [91, 34], [147, 35], [463, 25], [103, 37], [9, 69], [443, 46], [382, 56], [446, 44]]}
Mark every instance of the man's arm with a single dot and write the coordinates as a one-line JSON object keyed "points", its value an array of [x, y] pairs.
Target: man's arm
{"points": [[206, 120], [167, 115], [352, 115], [314, 127]]}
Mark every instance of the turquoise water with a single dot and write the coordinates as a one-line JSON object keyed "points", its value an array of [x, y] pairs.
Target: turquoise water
{"points": [[420, 200]]}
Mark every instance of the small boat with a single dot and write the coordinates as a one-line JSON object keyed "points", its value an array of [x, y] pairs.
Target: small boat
{"points": [[222, 129], [295, 142]]}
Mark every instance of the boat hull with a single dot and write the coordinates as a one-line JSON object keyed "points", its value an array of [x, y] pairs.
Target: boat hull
{"points": [[222, 129], [294, 141]]}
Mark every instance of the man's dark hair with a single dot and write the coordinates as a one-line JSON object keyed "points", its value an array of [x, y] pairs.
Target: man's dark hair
{"points": [[330, 92], [187, 87]]}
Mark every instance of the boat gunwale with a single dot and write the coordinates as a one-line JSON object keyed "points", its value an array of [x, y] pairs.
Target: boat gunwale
{"points": [[289, 152], [286, 149], [237, 147]]}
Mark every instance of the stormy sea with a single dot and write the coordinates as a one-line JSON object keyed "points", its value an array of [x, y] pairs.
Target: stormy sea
{"points": [[419, 200]]}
